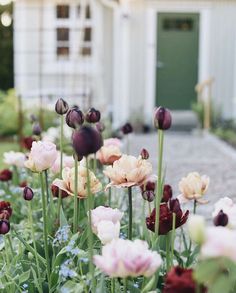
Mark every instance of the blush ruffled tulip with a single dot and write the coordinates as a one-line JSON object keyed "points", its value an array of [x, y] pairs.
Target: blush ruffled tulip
{"points": [[67, 183], [193, 187], [42, 156], [106, 223], [14, 159], [68, 161], [128, 171], [107, 155], [228, 207], [124, 258]]}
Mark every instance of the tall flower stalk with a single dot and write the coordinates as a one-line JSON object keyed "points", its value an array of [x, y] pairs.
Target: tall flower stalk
{"points": [[130, 211], [75, 220], [61, 163]]}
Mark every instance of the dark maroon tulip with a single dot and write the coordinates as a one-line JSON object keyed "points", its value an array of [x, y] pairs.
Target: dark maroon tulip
{"points": [[180, 280], [167, 193], [127, 128], [93, 116], [74, 117], [166, 217], [144, 154], [4, 227], [23, 184], [100, 126], [86, 140], [36, 129], [61, 107], [148, 195], [5, 175], [149, 185], [221, 219], [27, 142], [5, 210], [28, 193], [162, 118], [55, 192]]}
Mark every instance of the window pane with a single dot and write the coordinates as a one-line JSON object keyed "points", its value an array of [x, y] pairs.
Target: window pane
{"points": [[87, 34], [86, 51], [63, 11], [63, 34], [63, 51], [184, 24], [88, 12]]}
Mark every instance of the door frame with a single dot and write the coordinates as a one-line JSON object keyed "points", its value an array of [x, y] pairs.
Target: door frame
{"points": [[151, 18]]}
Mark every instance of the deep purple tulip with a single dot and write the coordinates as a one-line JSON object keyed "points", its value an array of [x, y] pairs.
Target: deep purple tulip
{"points": [[28, 193], [86, 140], [127, 128], [74, 117], [36, 129], [93, 116], [162, 118], [4, 227], [61, 107], [221, 219], [144, 154], [167, 193]]}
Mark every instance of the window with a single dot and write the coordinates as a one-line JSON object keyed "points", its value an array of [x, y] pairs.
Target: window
{"points": [[63, 52], [87, 34], [86, 51], [178, 24], [63, 34], [87, 12], [63, 11]]}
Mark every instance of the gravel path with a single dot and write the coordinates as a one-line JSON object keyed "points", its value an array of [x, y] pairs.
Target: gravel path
{"points": [[186, 152]]}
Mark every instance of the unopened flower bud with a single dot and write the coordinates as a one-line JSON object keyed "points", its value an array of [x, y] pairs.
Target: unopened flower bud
{"points": [[148, 195], [196, 228], [4, 227], [221, 219], [28, 193], [56, 192], [5, 175], [30, 255], [93, 116], [162, 118], [33, 118], [61, 107], [127, 128], [74, 117], [144, 154], [86, 140], [167, 193], [100, 126], [36, 129]]}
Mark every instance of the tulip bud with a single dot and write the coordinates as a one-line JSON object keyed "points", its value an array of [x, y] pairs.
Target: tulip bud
{"points": [[28, 193], [167, 193], [4, 227], [33, 118], [86, 141], [93, 115], [196, 228], [74, 117], [221, 219], [100, 126], [36, 129], [127, 128], [148, 195], [55, 192], [30, 256], [144, 154], [162, 118], [61, 107], [5, 175]]}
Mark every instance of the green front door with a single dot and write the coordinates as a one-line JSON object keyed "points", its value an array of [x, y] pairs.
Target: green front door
{"points": [[177, 59]]}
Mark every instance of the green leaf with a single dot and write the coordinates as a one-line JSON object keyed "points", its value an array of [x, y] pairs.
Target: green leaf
{"points": [[24, 277], [149, 285], [63, 220], [72, 287]]}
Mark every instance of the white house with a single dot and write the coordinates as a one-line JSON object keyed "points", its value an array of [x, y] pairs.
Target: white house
{"points": [[127, 56]]}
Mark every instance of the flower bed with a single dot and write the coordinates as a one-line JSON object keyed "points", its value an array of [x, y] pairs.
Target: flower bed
{"points": [[101, 220]]}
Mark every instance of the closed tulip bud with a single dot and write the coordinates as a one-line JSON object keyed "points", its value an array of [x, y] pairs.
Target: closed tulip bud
{"points": [[4, 227], [36, 129], [148, 195], [167, 193], [100, 126], [28, 193], [5, 175], [196, 229], [221, 219], [93, 116], [61, 107], [33, 118], [86, 140], [127, 128], [144, 154], [162, 118], [74, 117]]}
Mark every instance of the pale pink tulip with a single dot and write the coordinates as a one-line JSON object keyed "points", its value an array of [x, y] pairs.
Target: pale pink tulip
{"points": [[68, 161], [107, 155], [14, 159], [112, 142], [193, 187], [68, 181], [123, 258], [128, 171], [42, 156]]}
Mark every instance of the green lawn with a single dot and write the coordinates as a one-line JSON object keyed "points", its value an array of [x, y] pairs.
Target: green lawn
{"points": [[5, 147]]}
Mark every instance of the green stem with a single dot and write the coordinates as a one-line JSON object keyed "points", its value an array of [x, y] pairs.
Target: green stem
{"points": [[125, 285], [61, 164], [168, 251], [90, 233], [75, 221], [34, 244], [109, 194], [130, 213], [94, 164], [173, 238], [10, 244], [45, 228], [194, 206], [159, 180], [113, 285], [49, 198], [15, 176]]}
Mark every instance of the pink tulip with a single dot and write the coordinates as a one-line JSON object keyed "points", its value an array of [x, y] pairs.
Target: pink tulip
{"points": [[68, 161], [42, 156], [124, 258]]}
